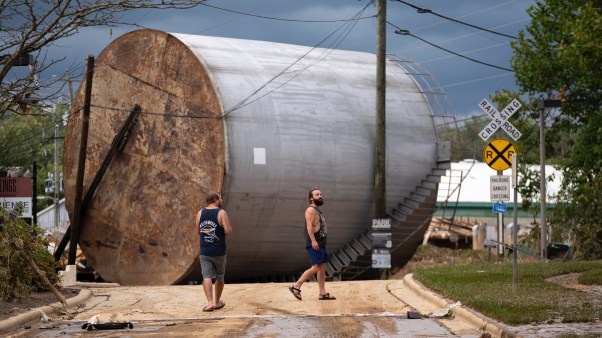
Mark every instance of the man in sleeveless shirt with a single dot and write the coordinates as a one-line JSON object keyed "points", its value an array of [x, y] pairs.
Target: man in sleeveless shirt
{"points": [[315, 243], [214, 226]]}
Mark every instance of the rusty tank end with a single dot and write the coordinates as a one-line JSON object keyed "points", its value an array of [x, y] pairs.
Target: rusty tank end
{"points": [[140, 228]]}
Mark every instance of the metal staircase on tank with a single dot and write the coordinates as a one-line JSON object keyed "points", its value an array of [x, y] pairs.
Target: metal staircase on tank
{"points": [[409, 221]]}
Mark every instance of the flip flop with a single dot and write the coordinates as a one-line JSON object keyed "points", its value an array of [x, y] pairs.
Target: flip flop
{"points": [[207, 309], [220, 306], [296, 292], [326, 296]]}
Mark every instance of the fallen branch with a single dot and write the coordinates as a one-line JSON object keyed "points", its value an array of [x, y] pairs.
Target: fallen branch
{"points": [[43, 277]]}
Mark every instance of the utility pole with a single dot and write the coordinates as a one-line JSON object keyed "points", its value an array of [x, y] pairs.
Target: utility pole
{"points": [[542, 105], [55, 196], [380, 204], [81, 164]]}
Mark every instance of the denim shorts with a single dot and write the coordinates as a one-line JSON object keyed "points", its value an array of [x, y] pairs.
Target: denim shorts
{"points": [[213, 267], [318, 257]]}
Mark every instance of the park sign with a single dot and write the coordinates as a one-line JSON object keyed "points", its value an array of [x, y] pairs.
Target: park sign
{"points": [[500, 119]]}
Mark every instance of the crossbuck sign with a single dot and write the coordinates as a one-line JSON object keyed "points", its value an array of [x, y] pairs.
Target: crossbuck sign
{"points": [[500, 119]]}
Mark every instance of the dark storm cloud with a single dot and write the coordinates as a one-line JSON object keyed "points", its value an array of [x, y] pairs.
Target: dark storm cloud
{"points": [[464, 81]]}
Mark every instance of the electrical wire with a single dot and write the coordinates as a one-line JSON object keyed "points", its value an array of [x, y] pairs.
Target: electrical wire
{"points": [[243, 102], [407, 32], [428, 11], [281, 19]]}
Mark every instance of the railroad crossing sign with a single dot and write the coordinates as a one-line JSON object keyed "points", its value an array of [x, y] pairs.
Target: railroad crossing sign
{"points": [[498, 154], [500, 119]]}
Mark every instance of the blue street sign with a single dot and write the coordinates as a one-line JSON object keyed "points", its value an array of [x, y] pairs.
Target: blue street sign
{"points": [[499, 208]]}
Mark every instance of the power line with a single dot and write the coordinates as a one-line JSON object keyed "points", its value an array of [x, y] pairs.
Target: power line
{"points": [[428, 11], [407, 32], [282, 19], [244, 102]]}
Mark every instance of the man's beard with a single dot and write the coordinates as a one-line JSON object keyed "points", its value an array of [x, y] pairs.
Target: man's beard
{"points": [[319, 201]]}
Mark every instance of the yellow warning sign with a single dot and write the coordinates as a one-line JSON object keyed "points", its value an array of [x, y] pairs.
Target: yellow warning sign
{"points": [[498, 154]]}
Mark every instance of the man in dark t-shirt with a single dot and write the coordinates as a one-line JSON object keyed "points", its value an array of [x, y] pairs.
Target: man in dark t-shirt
{"points": [[214, 226], [315, 243]]}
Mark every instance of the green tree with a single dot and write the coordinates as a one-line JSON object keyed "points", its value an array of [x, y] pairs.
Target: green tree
{"points": [[28, 137], [560, 56]]}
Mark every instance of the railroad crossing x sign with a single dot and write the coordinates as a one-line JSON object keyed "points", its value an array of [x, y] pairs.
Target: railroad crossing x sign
{"points": [[498, 154], [500, 119]]}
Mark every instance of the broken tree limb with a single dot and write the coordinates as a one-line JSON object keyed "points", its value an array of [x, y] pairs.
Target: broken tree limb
{"points": [[43, 277]]}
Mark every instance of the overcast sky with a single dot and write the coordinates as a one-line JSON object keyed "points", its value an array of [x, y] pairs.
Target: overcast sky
{"points": [[465, 82]]}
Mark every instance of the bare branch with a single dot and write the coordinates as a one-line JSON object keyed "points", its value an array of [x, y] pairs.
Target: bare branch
{"points": [[27, 27]]}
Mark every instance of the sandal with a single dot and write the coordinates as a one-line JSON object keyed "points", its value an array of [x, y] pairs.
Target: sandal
{"points": [[296, 292], [220, 306], [207, 309], [326, 296]]}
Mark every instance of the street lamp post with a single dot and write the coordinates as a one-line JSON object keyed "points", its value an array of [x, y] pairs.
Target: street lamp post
{"points": [[541, 106]]}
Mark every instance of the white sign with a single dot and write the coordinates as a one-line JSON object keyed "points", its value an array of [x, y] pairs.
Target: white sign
{"points": [[381, 224], [500, 119], [10, 203], [500, 188], [381, 259]]}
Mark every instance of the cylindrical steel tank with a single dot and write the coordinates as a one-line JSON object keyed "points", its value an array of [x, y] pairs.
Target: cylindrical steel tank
{"points": [[261, 122]]}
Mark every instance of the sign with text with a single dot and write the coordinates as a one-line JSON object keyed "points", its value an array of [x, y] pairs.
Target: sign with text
{"points": [[15, 194], [15, 187], [23, 204], [381, 243], [382, 240], [499, 208], [381, 224], [500, 119], [500, 188], [498, 154], [381, 259]]}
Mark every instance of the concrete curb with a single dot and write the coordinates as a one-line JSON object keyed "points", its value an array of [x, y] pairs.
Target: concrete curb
{"points": [[481, 323], [35, 314]]}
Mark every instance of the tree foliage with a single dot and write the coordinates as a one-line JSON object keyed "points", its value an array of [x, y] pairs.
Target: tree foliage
{"points": [[30, 26], [16, 276], [560, 56]]}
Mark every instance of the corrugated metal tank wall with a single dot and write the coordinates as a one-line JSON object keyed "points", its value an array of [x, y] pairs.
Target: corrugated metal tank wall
{"points": [[311, 122]]}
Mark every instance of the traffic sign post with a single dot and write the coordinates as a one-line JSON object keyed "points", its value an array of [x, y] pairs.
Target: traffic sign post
{"points": [[381, 244], [499, 155], [515, 226]]}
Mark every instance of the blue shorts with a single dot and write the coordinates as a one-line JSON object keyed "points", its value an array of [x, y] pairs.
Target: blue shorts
{"points": [[320, 256]]}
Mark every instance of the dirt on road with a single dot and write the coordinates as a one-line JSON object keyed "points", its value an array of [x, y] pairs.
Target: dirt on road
{"points": [[362, 308]]}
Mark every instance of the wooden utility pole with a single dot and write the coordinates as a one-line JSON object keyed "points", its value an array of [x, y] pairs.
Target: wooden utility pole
{"points": [[81, 164], [381, 141]]}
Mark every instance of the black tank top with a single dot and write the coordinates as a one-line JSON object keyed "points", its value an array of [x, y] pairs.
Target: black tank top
{"points": [[320, 235], [213, 237]]}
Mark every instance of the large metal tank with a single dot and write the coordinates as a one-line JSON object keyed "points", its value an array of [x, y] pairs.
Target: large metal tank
{"points": [[261, 122]]}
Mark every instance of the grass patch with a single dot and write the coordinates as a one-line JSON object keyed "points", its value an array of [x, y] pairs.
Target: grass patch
{"points": [[591, 277], [488, 288]]}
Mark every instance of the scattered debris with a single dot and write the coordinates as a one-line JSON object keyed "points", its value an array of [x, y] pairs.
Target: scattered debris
{"points": [[108, 326], [93, 323], [45, 317], [448, 312], [414, 315]]}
